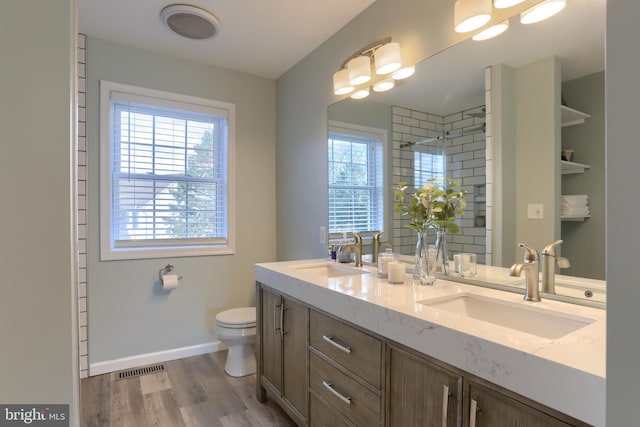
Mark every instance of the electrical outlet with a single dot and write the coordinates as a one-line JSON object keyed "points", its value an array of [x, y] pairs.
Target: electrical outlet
{"points": [[535, 211], [323, 235]]}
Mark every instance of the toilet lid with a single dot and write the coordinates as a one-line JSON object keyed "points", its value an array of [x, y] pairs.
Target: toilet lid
{"points": [[237, 316]]}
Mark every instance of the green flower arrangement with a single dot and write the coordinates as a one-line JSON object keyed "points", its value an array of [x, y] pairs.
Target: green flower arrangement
{"points": [[435, 205]]}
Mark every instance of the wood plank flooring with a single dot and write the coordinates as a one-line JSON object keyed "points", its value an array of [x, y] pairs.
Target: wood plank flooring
{"points": [[191, 392]]}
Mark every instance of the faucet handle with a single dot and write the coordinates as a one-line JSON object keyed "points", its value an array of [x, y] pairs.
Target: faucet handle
{"points": [[530, 254], [550, 248]]}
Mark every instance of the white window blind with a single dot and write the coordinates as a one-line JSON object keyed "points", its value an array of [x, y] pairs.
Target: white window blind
{"points": [[355, 181], [168, 163], [427, 165]]}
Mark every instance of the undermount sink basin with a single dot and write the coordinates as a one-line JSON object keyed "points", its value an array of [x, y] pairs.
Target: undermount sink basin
{"points": [[524, 318], [331, 270]]}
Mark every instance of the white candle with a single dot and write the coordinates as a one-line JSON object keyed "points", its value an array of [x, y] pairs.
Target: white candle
{"points": [[396, 272]]}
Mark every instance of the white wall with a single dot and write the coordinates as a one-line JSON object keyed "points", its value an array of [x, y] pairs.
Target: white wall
{"points": [[128, 313], [37, 308]]}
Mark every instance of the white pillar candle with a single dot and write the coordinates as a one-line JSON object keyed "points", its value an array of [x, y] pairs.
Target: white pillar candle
{"points": [[396, 272]]}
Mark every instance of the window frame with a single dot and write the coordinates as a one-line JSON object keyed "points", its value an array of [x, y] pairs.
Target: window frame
{"points": [[372, 133], [158, 248]]}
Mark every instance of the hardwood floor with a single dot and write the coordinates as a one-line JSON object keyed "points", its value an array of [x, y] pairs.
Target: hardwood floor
{"points": [[191, 392]]}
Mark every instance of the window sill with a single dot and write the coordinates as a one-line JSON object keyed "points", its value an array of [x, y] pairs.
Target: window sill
{"points": [[110, 254]]}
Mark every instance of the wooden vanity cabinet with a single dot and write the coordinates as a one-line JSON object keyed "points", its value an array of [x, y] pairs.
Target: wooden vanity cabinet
{"points": [[487, 405], [346, 373], [282, 356], [325, 372], [421, 392]]}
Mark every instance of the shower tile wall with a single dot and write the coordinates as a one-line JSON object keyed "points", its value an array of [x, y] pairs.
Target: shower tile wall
{"points": [[465, 163], [82, 209]]}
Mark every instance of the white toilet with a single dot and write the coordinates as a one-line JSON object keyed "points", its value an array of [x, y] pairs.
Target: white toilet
{"points": [[237, 329]]}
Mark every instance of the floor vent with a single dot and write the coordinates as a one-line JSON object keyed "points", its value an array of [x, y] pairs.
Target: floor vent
{"points": [[136, 372]]}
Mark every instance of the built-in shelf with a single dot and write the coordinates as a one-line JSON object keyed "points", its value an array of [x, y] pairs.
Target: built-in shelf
{"points": [[570, 117], [574, 218], [572, 167]]}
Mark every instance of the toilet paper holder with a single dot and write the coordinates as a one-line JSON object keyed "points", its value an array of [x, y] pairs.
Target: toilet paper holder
{"points": [[166, 270]]}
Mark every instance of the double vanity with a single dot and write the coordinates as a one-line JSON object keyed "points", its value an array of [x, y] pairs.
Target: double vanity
{"points": [[339, 346]]}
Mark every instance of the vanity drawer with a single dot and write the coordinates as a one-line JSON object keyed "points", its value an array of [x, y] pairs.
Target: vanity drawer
{"points": [[321, 415], [355, 350], [352, 399]]}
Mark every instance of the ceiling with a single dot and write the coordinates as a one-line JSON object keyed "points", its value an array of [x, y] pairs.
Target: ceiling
{"points": [[263, 38], [453, 80]]}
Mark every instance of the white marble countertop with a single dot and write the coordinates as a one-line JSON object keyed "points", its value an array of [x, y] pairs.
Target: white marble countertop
{"points": [[566, 373]]}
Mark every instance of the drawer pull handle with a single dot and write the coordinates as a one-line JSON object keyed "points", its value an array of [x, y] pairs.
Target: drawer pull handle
{"points": [[445, 405], [329, 387], [336, 345], [472, 413]]}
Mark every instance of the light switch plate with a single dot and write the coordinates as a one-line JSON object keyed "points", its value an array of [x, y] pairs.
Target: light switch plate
{"points": [[535, 211]]}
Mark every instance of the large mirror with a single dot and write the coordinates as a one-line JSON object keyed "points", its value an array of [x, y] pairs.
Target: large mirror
{"points": [[503, 133]]}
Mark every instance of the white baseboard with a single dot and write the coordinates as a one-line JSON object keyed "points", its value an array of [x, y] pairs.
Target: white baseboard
{"points": [[150, 358]]}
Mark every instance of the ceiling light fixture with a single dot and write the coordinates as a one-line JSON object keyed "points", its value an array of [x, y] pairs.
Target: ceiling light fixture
{"points": [[384, 85], [382, 56], [542, 11], [491, 32], [470, 15], [190, 21], [503, 4], [363, 93]]}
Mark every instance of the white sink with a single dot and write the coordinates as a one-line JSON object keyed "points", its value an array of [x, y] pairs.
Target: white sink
{"points": [[331, 270], [524, 318]]}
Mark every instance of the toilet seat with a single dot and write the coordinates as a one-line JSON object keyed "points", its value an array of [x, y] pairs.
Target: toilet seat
{"points": [[237, 318]]}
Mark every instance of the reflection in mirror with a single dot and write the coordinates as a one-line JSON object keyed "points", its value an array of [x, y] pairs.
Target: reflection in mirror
{"points": [[447, 120]]}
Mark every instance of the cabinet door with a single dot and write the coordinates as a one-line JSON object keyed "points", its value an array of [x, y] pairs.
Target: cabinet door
{"points": [[422, 393], [271, 353], [489, 408], [295, 324]]}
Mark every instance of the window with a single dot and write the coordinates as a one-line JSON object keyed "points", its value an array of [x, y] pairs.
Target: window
{"points": [[356, 199], [426, 166], [166, 187]]}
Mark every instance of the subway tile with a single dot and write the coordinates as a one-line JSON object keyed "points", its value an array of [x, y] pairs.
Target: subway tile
{"points": [[82, 260], [84, 362], [82, 201], [82, 57], [452, 118], [487, 78], [83, 348], [82, 288], [82, 335], [82, 100], [82, 304], [410, 122], [80, 40], [400, 111]]}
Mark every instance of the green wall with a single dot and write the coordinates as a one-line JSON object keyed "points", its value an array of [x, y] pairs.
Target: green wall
{"points": [[128, 313], [38, 310], [585, 240]]}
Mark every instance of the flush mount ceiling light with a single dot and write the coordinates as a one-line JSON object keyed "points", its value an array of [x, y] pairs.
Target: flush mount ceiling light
{"points": [[503, 4], [542, 11], [470, 15], [382, 56], [491, 32], [190, 21]]}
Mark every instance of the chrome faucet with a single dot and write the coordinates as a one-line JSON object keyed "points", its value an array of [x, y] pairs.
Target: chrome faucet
{"points": [[549, 260], [357, 248], [531, 270], [378, 246]]}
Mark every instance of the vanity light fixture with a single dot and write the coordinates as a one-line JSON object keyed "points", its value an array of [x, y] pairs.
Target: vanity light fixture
{"points": [[362, 93], [359, 70], [491, 32], [404, 73], [384, 85], [470, 15], [503, 4], [341, 85], [387, 58], [542, 11], [382, 56], [190, 21]]}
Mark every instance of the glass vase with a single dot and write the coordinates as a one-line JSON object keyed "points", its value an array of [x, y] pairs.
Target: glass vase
{"points": [[442, 255], [424, 271]]}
